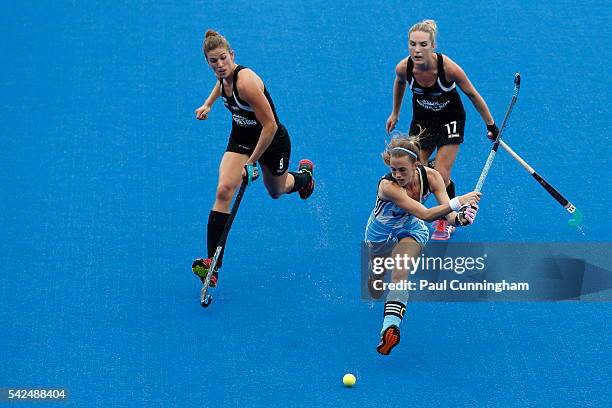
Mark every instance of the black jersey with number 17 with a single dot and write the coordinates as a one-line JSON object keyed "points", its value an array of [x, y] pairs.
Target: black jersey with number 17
{"points": [[441, 100], [246, 129]]}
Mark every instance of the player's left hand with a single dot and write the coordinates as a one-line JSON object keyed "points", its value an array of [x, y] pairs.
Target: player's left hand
{"points": [[492, 131], [466, 215], [250, 173]]}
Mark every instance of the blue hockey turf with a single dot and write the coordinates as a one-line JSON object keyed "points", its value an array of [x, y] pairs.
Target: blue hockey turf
{"points": [[107, 180]]}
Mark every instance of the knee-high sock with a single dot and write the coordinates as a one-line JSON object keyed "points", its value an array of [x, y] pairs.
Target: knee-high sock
{"points": [[216, 224], [395, 306], [301, 179], [450, 190]]}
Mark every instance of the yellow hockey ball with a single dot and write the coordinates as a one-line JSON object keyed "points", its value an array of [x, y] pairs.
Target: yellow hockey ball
{"points": [[349, 380]]}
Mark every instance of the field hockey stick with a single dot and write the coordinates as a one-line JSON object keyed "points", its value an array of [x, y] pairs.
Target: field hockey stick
{"points": [[487, 166], [571, 208], [206, 298]]}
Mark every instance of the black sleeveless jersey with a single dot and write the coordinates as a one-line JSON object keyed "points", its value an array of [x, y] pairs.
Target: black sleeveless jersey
{"points": [[441, 100], [245, 126]]}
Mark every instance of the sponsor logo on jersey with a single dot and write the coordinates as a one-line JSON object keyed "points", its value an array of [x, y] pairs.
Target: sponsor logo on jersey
{"points": [[432, 105], [242, 121]]}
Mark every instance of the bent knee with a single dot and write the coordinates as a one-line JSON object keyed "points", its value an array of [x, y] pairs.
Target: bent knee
{"points": [[275, 194]]}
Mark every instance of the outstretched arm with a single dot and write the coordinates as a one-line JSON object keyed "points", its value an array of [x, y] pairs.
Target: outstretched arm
{"points": [[392, 192], [202, 112], [399, 88]]}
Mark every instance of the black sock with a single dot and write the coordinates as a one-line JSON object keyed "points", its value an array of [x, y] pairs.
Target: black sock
{"points": [[301, 179], [216, 224], [450, 190]]}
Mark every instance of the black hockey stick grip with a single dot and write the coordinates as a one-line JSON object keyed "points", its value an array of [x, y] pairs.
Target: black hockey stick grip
{"points": [[551, 190]]}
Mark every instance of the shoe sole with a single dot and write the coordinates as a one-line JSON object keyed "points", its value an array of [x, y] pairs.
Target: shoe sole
{"points": [[440, 237], [443, 235], [390, 338]]}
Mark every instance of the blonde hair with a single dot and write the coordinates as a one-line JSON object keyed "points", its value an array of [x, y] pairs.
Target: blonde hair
{"points": [[409, 142], [213, 40], [427, 26]]}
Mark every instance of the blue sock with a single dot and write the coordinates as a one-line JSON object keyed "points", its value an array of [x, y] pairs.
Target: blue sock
{"points": [[394, 311], [390, 320], [395, 306]]}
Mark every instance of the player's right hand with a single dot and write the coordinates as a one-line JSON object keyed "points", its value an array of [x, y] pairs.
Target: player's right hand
{"points": [[202, 112], [470, 198], [492, 132], [391, 122], [467, 214]]}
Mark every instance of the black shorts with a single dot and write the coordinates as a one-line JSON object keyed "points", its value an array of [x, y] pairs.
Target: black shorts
{"points": [[438, 132], [275, 158]]}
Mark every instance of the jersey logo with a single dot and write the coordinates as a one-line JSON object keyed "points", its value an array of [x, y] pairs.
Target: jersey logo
{"points": [[242, 121], [432, 105]]}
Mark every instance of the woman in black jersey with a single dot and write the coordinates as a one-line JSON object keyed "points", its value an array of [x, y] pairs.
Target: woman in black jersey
{"points": [[257, 136], [436, 105]]}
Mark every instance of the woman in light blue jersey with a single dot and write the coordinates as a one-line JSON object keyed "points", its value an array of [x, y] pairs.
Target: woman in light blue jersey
{"points": [[396, 225]]}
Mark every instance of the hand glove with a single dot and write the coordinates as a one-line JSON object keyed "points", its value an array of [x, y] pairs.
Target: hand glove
{"points": [[252, 172], [466, 215], [492, 132]]}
